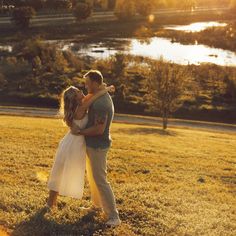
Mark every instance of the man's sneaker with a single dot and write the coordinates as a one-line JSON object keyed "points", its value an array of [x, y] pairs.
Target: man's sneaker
{"points": [[113, 222]]}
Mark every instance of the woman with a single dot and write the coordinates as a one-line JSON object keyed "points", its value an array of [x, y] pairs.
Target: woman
{"points": [[67, 174]]}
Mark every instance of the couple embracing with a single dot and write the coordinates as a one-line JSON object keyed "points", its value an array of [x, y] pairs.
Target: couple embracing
{"points": [[89, 119]]}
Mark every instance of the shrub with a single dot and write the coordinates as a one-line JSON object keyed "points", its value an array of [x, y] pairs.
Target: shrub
{"points": [[125, 10], [144, 8], [82, 11], [21, 16]]}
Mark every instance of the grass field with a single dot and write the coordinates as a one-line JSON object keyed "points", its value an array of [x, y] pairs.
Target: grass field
{"points": [[179, 182]]}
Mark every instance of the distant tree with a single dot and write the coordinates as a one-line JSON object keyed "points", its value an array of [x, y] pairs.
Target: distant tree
{"points": [[233, 6], [166, 88], [125, 9], [144, 8], [119, 64], [231, 87], [82, 11], [36, 4], [64, 4], [104, 4], [3, 81], [59, 4], [21, 16], [188, 4], [111, 4]]}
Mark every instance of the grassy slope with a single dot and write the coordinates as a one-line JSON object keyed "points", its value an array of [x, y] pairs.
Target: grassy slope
{"points": [[181, 182]]}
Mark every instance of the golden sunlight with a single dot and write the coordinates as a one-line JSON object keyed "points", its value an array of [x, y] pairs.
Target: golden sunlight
{"points": [[42, 176], [151, 18]]}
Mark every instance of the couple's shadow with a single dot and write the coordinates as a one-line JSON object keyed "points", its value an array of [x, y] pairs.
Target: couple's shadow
{"points": [[39, 225]]}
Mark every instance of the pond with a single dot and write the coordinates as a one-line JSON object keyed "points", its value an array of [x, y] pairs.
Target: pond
{"points": [[6, 48], [196, 27], [154, 48]]}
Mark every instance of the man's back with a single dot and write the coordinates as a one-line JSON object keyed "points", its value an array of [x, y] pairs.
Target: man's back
{"points": [[101, 108]]}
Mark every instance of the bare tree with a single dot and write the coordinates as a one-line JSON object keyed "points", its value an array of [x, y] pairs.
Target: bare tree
{"points": [[82, 11], [167, 88], [21, 16]]}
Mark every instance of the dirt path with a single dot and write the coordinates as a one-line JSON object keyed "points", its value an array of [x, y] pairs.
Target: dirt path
{"points": [[122, 118]]}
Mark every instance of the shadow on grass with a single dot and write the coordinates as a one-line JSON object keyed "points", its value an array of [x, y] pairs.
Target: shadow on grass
{"points": [[141, 130], [38, 225]]}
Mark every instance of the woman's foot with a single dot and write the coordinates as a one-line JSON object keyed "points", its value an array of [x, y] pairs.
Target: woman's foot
{"points": [[52, 199], [50, 204]]}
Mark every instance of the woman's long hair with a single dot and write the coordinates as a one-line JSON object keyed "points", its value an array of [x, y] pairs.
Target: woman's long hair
{"points": [[69, 104]]}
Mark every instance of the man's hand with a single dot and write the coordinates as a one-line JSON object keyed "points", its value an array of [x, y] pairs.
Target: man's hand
{"points": [[75, 130]]}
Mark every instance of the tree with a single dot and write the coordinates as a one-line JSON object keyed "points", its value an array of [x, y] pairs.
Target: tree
{"points": [[167, 86], [36, 4], [233, 6], [188, 4], [64, 4], [59, 4], [144, 8], [82, 11], [21, 16], [3, 81], [125, 9]]}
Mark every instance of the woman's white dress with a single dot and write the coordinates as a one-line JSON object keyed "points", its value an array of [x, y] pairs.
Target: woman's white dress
{"points": [[68, 171]]}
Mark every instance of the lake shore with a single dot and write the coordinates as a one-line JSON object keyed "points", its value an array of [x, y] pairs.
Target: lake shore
{"points": [[204, 108], [96, 29]]}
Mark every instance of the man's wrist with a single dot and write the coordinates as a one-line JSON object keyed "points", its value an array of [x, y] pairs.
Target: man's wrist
{"points": [[81, 132], [75, 132]]}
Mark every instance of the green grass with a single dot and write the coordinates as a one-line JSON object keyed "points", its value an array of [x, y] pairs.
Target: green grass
{"points": [[179, 182]]}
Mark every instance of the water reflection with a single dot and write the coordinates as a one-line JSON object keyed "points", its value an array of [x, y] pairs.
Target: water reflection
{"points": [[156, 48], [6, 48], [182, 54], [196, 27]]}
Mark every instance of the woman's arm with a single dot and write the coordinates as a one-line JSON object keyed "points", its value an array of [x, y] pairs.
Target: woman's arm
{"points": [[80, 111], [86, 104]]}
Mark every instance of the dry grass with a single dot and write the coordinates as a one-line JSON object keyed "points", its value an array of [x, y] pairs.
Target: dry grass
{"points": [[180, 182]]}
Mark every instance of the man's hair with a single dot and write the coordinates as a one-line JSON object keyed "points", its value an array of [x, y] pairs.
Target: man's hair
{"points": [[95, 76]]}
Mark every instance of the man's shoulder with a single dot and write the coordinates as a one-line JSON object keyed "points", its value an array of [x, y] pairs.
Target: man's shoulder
{"points": [[103, 102]]}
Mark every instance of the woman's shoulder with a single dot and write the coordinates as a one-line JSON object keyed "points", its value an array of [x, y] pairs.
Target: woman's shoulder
{"points": [[87, 97]]}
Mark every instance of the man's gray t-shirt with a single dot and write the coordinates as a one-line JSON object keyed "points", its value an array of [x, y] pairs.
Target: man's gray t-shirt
{"points": [[101, 108]]}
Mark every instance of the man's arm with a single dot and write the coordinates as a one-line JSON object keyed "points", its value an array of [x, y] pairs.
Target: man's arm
{"points": [[97, 129]]}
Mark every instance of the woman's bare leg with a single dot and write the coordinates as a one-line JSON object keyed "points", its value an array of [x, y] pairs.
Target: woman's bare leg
{"points": [[52, 199]]}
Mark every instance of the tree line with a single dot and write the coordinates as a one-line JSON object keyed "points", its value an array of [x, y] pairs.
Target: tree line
{"points": [[37, 72]]}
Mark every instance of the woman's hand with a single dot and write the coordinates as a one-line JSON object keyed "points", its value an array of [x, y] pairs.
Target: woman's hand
{"points": [[111, 89], [103, 86]]}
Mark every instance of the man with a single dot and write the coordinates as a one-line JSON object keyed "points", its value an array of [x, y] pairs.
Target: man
{"points": [[98, 141]]}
